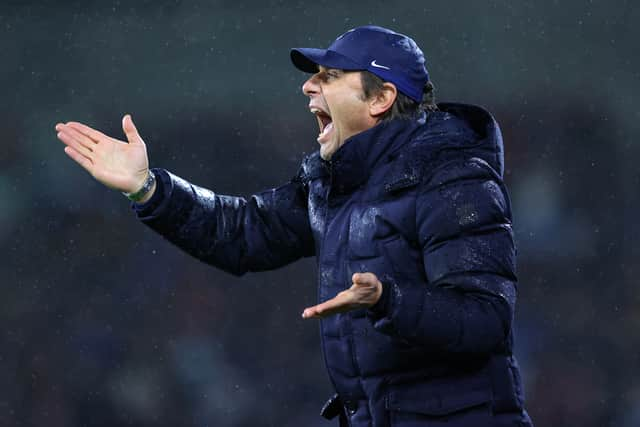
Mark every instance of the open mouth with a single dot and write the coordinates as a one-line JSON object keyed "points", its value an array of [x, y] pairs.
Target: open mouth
{"points": [[325, 123]]}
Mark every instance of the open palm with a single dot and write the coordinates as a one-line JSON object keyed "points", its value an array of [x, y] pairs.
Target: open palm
{"points": [[117, 164]]}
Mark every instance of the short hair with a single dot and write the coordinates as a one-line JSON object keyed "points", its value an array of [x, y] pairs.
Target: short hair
{"points": [[403, 107]]}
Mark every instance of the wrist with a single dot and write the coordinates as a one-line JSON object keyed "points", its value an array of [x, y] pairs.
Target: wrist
{"points": [[146, 190]]}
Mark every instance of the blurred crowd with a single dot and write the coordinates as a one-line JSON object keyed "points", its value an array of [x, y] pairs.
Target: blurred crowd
{"points": [[106, 324]]}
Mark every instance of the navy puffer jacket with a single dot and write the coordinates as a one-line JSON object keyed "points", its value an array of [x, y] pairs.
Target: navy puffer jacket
{"points": [[422, 205]]}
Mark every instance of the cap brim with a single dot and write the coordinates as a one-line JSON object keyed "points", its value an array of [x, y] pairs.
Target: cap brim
{"points": [[308, 59]]}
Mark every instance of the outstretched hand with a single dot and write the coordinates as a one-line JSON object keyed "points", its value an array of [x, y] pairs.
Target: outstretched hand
{"points": [[364, 293], [117, 164]]}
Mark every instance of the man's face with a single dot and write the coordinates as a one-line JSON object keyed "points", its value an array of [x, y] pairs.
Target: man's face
{"points": [[336, 98]]}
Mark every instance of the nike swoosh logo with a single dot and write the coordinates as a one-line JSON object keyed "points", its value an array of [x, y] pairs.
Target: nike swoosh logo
{"points": [[373, 64]]}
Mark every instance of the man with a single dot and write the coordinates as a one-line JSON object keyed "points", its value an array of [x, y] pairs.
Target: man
{"points": [[405, 209]]}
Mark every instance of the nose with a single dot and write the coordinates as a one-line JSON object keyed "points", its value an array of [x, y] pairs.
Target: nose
{"points": [[311, 87]]}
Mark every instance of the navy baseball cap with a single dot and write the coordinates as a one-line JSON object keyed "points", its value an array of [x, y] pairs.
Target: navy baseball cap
{"points": [[392, 56]]}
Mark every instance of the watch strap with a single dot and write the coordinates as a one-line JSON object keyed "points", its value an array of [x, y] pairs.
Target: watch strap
{"points": [[146, 187]]}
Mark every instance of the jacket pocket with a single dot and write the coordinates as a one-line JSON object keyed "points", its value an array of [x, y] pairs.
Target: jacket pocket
{"points": [[464, 400], [436, 405], [405, 260]]}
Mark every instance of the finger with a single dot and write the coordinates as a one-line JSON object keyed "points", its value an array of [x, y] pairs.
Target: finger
{"points": [[309, 313], [70, 141], [80, 137], [97, 136], [130, 130], [79, 158], [340, 303], [312, 313]]}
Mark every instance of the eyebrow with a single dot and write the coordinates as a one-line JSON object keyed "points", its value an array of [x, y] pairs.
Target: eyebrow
{"points": [[322, 69]]}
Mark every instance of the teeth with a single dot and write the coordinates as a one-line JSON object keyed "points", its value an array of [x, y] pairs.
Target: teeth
{"points": [[326, 130], [324, 121], [316, 110]]}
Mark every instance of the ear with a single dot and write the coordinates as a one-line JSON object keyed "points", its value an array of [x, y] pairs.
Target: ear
{"points": [[383, 100]]}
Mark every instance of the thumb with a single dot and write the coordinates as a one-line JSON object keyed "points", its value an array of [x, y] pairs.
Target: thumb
{"points": [[363, 278], [130, 130]]}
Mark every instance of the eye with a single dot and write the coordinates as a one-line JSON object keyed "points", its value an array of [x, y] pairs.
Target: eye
{"points": [[328, 74]]}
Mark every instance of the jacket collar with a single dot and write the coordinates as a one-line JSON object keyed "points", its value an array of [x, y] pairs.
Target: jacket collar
{"points": [[353, 162]]}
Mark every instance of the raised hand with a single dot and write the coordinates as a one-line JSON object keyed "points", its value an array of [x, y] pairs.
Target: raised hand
{"points": [[117, 164], [364, 293]]}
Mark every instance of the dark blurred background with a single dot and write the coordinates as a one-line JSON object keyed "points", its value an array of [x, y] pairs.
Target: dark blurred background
{"points": [[103, 323]]}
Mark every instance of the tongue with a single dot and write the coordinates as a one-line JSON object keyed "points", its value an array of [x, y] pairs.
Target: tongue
{"points": [[327, 129]]}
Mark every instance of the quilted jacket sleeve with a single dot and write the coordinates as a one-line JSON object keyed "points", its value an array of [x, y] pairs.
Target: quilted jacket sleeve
{"points": [[464, 230], [263, 232]]}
